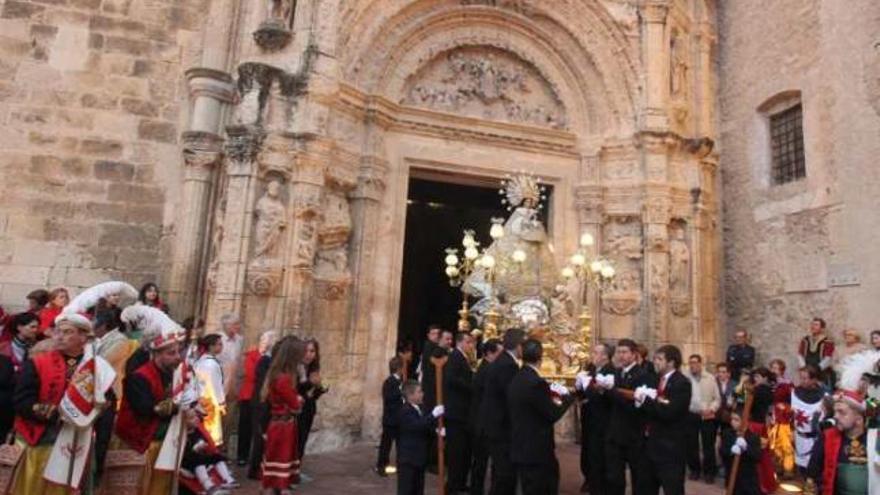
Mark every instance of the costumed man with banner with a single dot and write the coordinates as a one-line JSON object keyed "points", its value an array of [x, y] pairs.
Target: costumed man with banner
{"points": [[154, 394], [57, 399]]}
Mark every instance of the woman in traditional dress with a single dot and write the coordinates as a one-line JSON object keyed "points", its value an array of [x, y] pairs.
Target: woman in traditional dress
{"points": [[281, 457]]}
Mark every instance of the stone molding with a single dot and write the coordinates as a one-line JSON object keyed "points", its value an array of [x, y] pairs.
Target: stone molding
{"points": [[212, 83]]}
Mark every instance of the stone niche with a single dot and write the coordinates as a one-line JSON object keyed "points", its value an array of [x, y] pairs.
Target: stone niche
{"points": [[486, 83], [622, 302]]}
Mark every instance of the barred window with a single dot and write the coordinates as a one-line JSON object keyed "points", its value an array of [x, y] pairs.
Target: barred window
{"points": [[787, 145]]}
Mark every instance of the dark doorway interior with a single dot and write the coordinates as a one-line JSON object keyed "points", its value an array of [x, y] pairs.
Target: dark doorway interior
{"points": [[436, 216]]}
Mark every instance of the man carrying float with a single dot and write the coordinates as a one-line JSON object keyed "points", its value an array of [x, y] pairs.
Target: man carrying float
{"points": [[149, 419], [57, 399]]}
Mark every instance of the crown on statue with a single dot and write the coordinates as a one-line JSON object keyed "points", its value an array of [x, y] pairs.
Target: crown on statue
{"points": [[522, 189]]}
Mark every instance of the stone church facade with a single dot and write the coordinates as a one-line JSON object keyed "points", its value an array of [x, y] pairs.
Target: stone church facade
{"points": [[253, 157]]}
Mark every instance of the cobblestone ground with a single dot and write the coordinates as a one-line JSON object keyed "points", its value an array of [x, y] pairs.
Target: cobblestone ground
{"points": [[349, 472]]}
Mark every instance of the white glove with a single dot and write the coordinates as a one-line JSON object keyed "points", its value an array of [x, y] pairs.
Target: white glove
{"points": [[741, 443], [558, 389], [442, 432], [438, 411], [651, 392], [736, 450], [582, 381], [605, 381], [639, 394]]}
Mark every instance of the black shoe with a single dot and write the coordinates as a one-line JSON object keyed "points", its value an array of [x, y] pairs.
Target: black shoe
{"points": [[381, 472], [694, 476], [585, 487]]}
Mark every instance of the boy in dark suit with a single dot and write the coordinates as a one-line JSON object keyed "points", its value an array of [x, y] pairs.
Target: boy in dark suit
{"points": [[415, 429], [748, 446], [666, 410], [535, 406], [392, 400]]}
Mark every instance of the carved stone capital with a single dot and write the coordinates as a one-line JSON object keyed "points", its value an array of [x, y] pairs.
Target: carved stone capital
{"points": [[272, 35], [212, 83], [654, 11], [242, 148], [371, 179], [589, 203], [657, 210], [201, 152]]}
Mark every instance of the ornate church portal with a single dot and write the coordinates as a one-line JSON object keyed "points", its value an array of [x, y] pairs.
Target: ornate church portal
{"points": [[299, 166]]}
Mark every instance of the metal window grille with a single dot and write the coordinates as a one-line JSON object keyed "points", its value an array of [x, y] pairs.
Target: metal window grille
{"points": [[787, 143]]}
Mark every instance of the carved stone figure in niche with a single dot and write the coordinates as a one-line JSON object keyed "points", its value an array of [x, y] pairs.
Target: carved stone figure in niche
{"points": [[271, 222], [282, 10], [332, 263], [679, 66], [680, 263], [305, 250], [486, 83]]}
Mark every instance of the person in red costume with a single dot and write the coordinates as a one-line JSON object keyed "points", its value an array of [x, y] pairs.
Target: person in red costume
{"points": [[280, 466], [781, 439], [58, 298]]}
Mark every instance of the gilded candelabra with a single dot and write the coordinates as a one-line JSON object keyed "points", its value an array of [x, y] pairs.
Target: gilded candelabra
{"points": [[596, 273], [459, 269]]}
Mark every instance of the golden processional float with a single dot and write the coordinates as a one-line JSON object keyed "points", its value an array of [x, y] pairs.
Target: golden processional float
{"points": [[515, 281]]}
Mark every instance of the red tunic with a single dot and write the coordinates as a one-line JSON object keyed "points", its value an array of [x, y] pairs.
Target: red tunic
{"points": [[52, 370], [281, 459], [782, 402], [136, 431], [766, 469], [246, 392], [47, 317]]}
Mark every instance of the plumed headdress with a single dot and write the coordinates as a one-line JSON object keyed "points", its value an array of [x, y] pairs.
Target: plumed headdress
{"points": [[854, 370], [159, 330], [89, 298]]}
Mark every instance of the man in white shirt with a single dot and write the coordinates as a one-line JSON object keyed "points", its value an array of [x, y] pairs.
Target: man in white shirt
{"points": [[211, 381], [702, 427], [231, 362]]}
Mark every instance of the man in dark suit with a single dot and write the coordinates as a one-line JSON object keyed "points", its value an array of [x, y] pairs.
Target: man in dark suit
{"points": [[392, 400], [414, 437], [624, 440], [457, 378], [426, 369], [535, 406], [740, 355], [595, 414], [491, 349], [495, 413], [666, 411]]}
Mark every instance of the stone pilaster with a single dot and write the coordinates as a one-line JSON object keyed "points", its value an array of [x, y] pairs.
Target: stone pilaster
{"points": [[656, 215], [230, 265], [655, 53], [201, 154], [589, 198]]}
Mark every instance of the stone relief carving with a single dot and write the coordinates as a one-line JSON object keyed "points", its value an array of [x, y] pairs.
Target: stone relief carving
{"points": [[679, 67], [486, 83], [271, 221], [624, 248], [679, 272], [305, 245], [331, 266], [524, 7], [275, 32], [217, 232], [659, 286]]}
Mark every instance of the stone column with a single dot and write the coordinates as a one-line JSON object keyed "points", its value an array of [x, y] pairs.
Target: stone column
{"points": [[655, 220], [230, 265], [306, 189], [706, 102], [210, 90], [655, 53]]}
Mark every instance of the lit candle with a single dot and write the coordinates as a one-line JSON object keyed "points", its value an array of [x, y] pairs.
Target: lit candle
{"points": [[567, 272], [608, 271], [451, 271], [471, 253], [451, 259], [596, 266], [488, 261], [497, 230], [519, 256], [578, 259]]}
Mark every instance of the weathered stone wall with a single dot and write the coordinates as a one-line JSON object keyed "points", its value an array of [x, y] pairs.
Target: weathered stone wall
{"points": [[809, 247], [91, 102]]}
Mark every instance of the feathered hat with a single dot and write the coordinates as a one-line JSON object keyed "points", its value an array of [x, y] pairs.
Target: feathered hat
{"points": [[75, 310], [89, 298], [855, 370], [159, 330]]}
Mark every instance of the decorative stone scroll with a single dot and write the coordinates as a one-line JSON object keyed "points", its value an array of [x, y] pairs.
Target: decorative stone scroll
{"points": [[624, 247], [486, 83]]}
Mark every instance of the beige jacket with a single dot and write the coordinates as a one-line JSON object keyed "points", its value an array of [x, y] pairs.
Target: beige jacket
{"points": [[704, 393]]}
